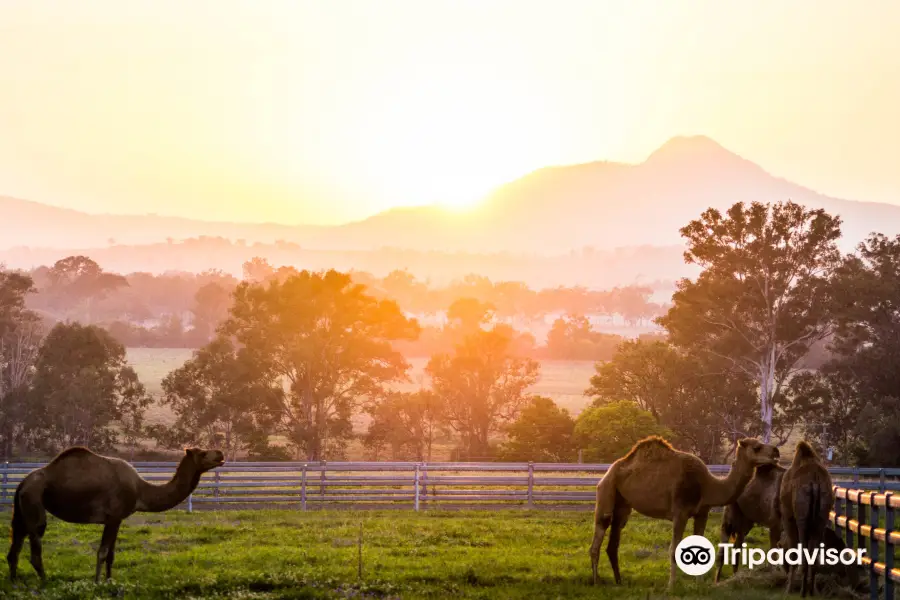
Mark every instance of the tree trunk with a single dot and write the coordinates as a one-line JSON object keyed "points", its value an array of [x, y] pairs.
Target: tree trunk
{"points": [[767, 392]]}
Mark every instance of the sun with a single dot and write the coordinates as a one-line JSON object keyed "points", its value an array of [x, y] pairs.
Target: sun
{"points": [[450, 139]]}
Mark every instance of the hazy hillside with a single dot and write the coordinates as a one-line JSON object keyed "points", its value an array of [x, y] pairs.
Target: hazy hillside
{"points": [[550, 211]]}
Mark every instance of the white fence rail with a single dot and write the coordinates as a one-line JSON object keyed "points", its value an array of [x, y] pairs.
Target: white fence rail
{"points": [[405, 485]]}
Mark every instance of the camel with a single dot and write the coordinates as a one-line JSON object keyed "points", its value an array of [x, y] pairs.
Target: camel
{"points": [[661, 482], [79, 486], [757, 504], [806, 498]]}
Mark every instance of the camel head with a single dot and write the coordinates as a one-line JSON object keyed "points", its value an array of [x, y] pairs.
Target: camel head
{"points": [[753, 452], [204, 460]]}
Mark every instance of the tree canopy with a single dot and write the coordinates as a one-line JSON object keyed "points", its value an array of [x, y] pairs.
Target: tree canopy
{"points": [[763, 297], [329, 342]]}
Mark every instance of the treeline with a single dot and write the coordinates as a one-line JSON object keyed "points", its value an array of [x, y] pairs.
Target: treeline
{"points": [[304, 364], [182, 310]]}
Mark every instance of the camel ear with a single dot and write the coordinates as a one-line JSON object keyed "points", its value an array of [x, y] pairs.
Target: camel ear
{"points": [[742, 443]]}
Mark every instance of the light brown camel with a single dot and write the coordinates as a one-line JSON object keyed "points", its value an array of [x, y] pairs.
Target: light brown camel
{"points": [[79, 486], [663, 483], [806, 498]]}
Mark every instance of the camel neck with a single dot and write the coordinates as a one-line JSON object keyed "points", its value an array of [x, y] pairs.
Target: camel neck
{"points": [[725, 491], [158, 498]]}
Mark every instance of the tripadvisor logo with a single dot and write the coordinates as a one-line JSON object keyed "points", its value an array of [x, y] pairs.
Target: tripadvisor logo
{"points": [[695, 555]]}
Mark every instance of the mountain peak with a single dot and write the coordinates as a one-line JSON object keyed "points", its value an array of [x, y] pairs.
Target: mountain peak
{"points": [[698, 151]]}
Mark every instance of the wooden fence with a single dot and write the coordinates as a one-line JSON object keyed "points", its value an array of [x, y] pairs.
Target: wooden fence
{"points": [[405, 485], [867, 520]]}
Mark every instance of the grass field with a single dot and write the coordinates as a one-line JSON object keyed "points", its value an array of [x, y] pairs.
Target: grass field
{"points": [[288, 554], [563, 381]]}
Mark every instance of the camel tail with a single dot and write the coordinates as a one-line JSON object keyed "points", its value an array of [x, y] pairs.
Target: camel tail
{"points": [[17, 521], [815, 500]]}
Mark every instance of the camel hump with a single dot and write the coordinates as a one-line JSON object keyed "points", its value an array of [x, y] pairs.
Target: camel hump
{"points": [[650, 445], [73, 451], [805, 451]]}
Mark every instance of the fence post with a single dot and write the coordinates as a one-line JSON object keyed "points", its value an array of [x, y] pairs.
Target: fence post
{"points": [[861, 518], [530, 485], [855, 475], [888, 547], [216, 489], [882, 486], [874, 520], [303, 489], [322, 483], [848, 511], [5, 478], [191, 502], [416, 484]]}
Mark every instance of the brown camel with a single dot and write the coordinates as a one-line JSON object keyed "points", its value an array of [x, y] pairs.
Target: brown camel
{"points": [[757, 504], [663, 483], [79, 486], [806, 498]]}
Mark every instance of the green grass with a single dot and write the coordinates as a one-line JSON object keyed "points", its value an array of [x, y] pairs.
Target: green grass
{"points": [[290, 554]]}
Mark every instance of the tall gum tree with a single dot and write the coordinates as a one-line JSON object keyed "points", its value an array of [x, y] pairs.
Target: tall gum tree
{"points": [[762, 297]]}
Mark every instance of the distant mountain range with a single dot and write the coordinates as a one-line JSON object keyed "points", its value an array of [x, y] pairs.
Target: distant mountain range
{"points": [[550, 211]]}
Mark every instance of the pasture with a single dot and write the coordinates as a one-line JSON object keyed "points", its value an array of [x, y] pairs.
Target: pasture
{"points": [[289, 554], [562, 381]]}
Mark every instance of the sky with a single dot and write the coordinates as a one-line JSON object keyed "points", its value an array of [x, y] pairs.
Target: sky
{"points": [[330, 111]]}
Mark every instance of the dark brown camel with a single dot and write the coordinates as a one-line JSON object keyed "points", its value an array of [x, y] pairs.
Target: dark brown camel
{"points": [[757, 504], [806, 499], [79, 486], [661, 482]]}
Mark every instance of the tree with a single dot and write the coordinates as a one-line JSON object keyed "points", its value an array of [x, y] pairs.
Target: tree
{"points": [[542, 433], [407, 423], [220, 398], [699, 399], [862, 377], [77, 279], [469, 314], [83, 387], [762, 298], [571, 338], [20, 338], [606, 433], [257, 270], [329, 342], [211, 303], [482, 387]]}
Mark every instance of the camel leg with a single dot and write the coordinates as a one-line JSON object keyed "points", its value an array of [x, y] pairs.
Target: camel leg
{"points": [[700, 521], [37, 559], [112, 552], [603, 515], [804, 566], [106, 551], [600, 527], [724, 538], [679, 522], [738, 540], [18, 540], [620, 518]]}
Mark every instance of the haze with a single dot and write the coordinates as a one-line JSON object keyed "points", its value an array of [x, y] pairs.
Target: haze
{"points": [[327, 112]]}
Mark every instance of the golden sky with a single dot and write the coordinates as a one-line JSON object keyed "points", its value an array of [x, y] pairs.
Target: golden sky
{"points": [[322, 111]]}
